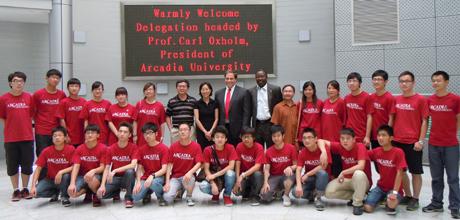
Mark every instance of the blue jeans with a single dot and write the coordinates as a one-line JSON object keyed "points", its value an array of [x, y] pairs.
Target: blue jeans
{"points": [[126, 181], [46, 188], [444, 158], [156, 186], [319, 182], [229, 182], [81, 184]]}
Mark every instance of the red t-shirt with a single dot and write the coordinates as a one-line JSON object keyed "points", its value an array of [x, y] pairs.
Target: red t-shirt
{"points": [[89, 158], [250, 156], [310, 117], [443, 112], [116, 115], [184, 158], [152, 158], [388, 163], [225, 155], [280, 159], [146, 112], [69, 110], [333, 119], [382, 110], [17, 111], [46, 106], [55, 160], [409, 114], [310, 159], [351, 158], [120, 157], [358, 107], [95, 112]]}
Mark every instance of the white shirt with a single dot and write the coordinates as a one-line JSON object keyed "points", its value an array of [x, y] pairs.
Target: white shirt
{"points": [[231, 94], [263, 111]]}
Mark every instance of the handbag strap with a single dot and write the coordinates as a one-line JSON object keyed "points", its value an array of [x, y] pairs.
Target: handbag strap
{"points": [[214, 154]]}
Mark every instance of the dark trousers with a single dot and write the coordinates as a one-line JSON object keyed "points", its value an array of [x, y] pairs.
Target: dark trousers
{"points": [[263, 135], [41, 142], [126, 181], [233, 139], [444, 158]]}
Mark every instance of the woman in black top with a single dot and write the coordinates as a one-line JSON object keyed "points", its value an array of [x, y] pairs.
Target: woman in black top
{"points": [[206, 115]]}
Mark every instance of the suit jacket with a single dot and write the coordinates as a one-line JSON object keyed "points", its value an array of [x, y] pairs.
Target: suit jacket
{"points": [[240, 109], [274, 97]]}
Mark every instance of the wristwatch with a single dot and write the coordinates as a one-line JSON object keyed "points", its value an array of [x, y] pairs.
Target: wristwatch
{"points": [[153, 175], [420, 142], [394, 192]]}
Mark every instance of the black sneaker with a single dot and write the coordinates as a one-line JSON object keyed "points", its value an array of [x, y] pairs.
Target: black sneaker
{"points": [[25, 194], [357, 210], [405, 200], [147, 199], [454, 213], [66, 202], [390, 211], [350, 203], [255, 201], [161, 201], [16, 196], [412, 205], [54, 198], [432, 208], [88, 197]]}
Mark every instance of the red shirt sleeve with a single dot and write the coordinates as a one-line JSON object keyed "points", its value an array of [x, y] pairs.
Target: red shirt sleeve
{"points": [[162, 118], [425, 112], [293, 153], [370, 153], [260, 157], [267, 157], [2, 108], [165, 156], [198, 154], [301, 159], [108, 114], [362, 152], [207, 155], [335, 147], [400, 160], [233, 155], [369, 105], [76, 157], [84, 112], [41, 161]]}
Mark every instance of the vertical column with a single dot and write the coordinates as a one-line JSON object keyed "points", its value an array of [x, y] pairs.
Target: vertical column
{"points": [[60, 32]]}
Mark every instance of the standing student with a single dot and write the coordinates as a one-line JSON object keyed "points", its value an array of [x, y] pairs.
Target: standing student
{"points": [[248, 167], [333, 119], [391, 163], [410, 125], [149, 110], [355, 178], [16, 112], [88, 165], [121, 160], [315, 178], [185, 159], [359, 109], [264, 98], [310, 108], [279, 169], [69, 113], [444, 108], [122, 111], [151, 170], [47, 104], [57, 158], [206, 115], [285, 114], [95, 109], [219, 162]]}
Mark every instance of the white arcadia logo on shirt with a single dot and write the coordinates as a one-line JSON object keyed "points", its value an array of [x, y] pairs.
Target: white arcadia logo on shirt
{"points": [[354, 106], [17, 105], [349, 160], [247, 158], [310, 110], [378, 106], [386, 163], [121, 115], [407, 107], [151, 157], [89, 158], [121, 158], [50, 101], [75, 108], [440, 108], [312, 162], [183, 156], [329, 111], [97, 110], [281, 159], [58, 160], [221, 160], [148, 111]]}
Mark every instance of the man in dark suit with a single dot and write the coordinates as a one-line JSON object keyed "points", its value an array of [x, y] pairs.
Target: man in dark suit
{"points": [[234, 107], [264, 98]]}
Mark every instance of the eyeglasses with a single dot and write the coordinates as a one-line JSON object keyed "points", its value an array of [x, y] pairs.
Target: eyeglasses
{"points": [[149, 133], [17, 81], [405, 81]]}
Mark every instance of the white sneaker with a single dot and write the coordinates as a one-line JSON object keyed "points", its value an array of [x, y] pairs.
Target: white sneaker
{"points": [[286, 200], [190, 201]]}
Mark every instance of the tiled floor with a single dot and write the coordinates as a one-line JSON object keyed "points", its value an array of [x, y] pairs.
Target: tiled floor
{"points": [[41, 209]]}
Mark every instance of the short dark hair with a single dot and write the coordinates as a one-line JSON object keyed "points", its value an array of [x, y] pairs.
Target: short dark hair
{"points": [[444, 75], [232, 72], [261, 70], [127, 125], [53, 72], [59, 129], [183, 81], [248, 130], [149, 126], [92, 127], [96, 85], [276, 128], [381, 73], [121, 91], [355, 75], [73, 81], [220, 129], [309, 130], [387, 129], [288, 85], [334, 84], [205, 84], [407, 73], [347, 131], [18, 75]]}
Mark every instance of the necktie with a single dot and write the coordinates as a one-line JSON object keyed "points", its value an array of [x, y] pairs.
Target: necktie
{"points": [[227, 103]]}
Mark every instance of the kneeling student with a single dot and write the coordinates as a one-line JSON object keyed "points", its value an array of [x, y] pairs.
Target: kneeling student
{"points": [[354, 180], [88, 165], [219, 161], [280, 164], [120, 162], [313, 183], [391, 164], [151, 170], [248, 167], [57, 158]]}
